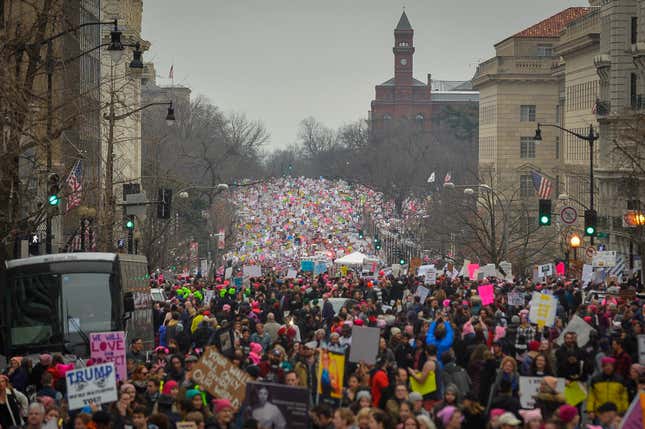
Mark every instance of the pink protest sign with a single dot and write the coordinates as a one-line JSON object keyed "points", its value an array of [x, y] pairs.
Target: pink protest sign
{"points": [[110, 347], [471, 271], [487, 294], [559, 268]]}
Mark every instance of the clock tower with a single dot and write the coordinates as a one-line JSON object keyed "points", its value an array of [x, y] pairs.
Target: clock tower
{"points": [[403, 51]]}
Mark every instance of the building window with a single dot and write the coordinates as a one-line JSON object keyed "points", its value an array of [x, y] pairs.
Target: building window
{"points": [[634, 28], [527, 113], [404, 44], [557, 113], [545, 51], [526, 185], [633, 88], [557, 147], [387, 117], [1, 13], [527, 147]]}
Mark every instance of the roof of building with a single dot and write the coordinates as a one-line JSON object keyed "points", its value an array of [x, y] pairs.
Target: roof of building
{"points": [[404, 23], [392, 82], [455, 96], [552, 26], [451, 85]]}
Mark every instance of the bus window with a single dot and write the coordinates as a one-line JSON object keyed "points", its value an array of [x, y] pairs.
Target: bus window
{"points": [[87, 303], [34, 309]]}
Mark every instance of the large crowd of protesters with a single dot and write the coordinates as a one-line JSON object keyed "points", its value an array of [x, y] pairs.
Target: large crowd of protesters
{"points": [[447, 362]]}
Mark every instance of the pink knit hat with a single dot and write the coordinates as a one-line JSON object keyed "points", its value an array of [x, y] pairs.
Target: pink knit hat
{"points": [[528, 415], [220, 404]]}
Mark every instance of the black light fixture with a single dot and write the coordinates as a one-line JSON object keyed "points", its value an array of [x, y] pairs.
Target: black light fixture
{"points": [[170, 117], [116, 46], [538, 134], [137, 62]]}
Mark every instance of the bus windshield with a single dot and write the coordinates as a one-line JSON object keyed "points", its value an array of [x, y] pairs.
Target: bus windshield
{"points": [[55, 308]]}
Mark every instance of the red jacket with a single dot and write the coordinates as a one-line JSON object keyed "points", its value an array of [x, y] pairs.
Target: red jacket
{"points": [[378, 383]]}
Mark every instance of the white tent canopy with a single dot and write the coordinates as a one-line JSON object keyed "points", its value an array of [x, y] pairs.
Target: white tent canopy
{"points": [[355, 258]]}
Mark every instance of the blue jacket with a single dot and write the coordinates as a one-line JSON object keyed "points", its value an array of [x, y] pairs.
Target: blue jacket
{"points": [[445, 343]]}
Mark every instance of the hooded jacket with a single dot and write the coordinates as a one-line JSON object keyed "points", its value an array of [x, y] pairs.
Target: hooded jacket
{"points": [[444, 344], [607, 388]]}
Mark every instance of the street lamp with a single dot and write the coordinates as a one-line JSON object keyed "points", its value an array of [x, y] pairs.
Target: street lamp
{"points": [[589, 138], [575, 242], [116, 46]]}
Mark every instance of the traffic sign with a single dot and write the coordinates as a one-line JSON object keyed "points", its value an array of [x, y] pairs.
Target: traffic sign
{"points": [[590, 251], [569, 215]]}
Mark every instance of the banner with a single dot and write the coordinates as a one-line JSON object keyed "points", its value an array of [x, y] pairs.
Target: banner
{"points": [[276, 405], [543, 308], [487, 294], [331, 372], [110, 347], [96, 383], [215, 373], [529, 387], [365, 341]]}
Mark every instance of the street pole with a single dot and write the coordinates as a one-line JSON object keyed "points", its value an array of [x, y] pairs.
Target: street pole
{"points": [[108, 225], [49, 126], [592, 137]]}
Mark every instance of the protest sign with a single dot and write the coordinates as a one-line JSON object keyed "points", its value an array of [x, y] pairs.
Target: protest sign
{"points": [[365, 341], [487, 294], [543, 308], [208, 296], [215, 373], [307, 266], [545, 270], [587, 273], [472, 271], [396, 269], [516, 299], [560, 268], [529, 387], [415, 263], [331, 370], [641, 349], [110, 347], [574, 393], [228, 272], [507, 267], [580, 327], [276, 405], [251, 271], [319, 268], [423, 269], [422, 293], [96, 383], [343, 270], [292, 274], [185, 425], [604, 259], [489, 270]]}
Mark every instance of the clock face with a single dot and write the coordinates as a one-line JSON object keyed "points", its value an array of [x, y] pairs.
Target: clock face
{"points": [[404, 62]]}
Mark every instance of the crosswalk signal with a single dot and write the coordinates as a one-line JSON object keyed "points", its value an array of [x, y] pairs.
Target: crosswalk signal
{"points": [[545, 212], [163, 205], [591, 219], [53, 190]]}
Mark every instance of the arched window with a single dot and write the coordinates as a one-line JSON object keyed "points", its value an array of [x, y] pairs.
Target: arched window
{"points": [[403, 44], [387, 117], [419, 117]]}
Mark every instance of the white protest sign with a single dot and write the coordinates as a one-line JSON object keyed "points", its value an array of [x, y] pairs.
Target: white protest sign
{"points": [[423, 269], [292, 274], [464, 269], [604, 259], [641, 349], [396, 269], [365, 343], [228, 273], [545, 270], [507, 267], [208, 296], [489, 270], [251, 271], [516, 299], [96, 383], [203, 267], [431, 276], [422, 293], [543, 308], [580, 327], [529, 387], [587, 274]]}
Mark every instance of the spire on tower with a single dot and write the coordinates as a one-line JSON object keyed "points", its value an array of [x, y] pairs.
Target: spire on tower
{"points": [[404, 23]]}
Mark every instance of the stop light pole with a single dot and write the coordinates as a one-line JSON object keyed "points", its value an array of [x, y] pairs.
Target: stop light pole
{"points": [[591, 139]]}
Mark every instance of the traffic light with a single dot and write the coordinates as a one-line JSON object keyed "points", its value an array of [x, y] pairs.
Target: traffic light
{"points": [[360, 234], [129, 223], [377, 243], [163, 205], [401, 257], [545, 212], [590, 223], [633, 218], [53, 189]]}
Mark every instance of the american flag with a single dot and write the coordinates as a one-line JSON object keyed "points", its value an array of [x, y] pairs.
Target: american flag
{"points": [[75, 183], [542, 186]]}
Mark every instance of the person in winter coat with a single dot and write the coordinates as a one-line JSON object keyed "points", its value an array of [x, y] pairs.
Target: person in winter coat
{"points": [[506, 373], [10, 409], [607, 387], [440, 335], [17, 373], [454, 374], [548, 400]]}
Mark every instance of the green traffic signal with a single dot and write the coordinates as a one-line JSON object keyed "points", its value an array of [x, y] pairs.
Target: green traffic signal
{"points": [[129, 224], [544, 220], [590, 230], [401, 261], [53, 200]]}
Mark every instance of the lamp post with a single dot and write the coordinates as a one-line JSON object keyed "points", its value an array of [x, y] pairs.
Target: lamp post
{"points": [[470, 191], [575, 242], [112, 118], [591, 139]]}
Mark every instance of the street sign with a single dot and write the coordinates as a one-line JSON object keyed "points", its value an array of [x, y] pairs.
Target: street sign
{"points": [[569, 215], [590, 251], [602, 235]]}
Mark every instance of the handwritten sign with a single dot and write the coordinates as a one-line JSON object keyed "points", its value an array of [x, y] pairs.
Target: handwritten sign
{"points": [[215, 373], [110, 347], [529, 387], [487, 294], [96, 383], [543, 308], [516, 299], [472, 270]]}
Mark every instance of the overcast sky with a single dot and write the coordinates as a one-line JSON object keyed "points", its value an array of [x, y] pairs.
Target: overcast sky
{"points": [[283, 60]]}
